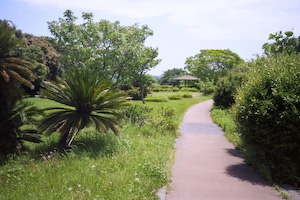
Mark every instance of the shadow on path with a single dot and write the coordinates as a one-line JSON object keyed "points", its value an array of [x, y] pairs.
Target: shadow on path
{"points": [[245, 173]]}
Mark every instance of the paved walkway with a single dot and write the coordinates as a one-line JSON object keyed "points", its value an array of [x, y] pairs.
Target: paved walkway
{"points": [[207, 166]]}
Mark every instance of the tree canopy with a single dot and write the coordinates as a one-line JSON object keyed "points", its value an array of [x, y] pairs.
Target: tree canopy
{"points": [[103, 46], [212, 63], [170, 74], [286, 43]]}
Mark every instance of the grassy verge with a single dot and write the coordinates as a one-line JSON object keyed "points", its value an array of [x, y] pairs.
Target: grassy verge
{"points": [[224, 120], [131, 166]]}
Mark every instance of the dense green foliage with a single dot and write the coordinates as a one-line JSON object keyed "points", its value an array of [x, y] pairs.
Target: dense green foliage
{"points": [[212, 63], [88, 101], [109, 48], [226, 87], [14, 74], [42, 54], [282, 44], [169, 75], [267, 114]]}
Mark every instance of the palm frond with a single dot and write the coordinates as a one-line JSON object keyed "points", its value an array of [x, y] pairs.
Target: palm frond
{"points": [[90, 100]]}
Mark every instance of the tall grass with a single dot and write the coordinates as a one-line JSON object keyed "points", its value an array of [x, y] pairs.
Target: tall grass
{"points": [[224, 119], [133, 165]]}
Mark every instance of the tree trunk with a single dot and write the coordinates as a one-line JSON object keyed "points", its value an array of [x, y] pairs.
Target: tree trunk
{"points": [[142, 92], [63, 141]]}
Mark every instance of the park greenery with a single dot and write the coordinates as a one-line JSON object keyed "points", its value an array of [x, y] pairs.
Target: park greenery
{"points": [[261, 115], [65, 98]]}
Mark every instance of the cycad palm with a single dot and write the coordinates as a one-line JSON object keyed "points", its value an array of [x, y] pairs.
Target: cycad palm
{"points": [[87, 101], [13, 74]]}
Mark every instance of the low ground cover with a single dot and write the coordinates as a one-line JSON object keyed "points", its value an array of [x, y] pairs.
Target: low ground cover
{"points": [[132, 165]]}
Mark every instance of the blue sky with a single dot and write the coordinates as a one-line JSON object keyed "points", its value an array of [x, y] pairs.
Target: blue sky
{"points": [[181, 27]]}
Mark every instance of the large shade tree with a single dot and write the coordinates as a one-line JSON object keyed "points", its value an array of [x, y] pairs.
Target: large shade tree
{"points": [[106, 47], [212, 63], [87, 101]]}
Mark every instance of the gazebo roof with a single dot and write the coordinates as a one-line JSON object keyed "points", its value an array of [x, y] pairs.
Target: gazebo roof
{"points": [[186, 77]]}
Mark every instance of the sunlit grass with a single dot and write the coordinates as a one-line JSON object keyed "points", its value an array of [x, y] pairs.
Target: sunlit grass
{"points": [[225, 121], [133, 165]]}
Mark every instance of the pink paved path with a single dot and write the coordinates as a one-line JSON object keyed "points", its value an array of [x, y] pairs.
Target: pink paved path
{"points": [[207, 166]]}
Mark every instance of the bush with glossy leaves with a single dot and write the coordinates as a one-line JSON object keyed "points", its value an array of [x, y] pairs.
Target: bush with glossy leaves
{"points": [[267, 113]]}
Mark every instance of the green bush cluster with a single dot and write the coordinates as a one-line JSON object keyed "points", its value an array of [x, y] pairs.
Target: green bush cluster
{"points": [[267, 113], [135, 92], [207, 86], [156, 98], [227, 86], [184, 89], [170, 88], [176, 89], [162, 118], [175, 97], [187, 95]]}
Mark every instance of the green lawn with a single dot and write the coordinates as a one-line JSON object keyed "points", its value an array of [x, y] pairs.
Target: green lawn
{"points": [[133, 165]]}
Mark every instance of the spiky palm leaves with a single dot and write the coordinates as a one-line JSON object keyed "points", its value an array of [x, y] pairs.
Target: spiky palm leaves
{"points": [[13, 74], [17, 125], [87, 101]]}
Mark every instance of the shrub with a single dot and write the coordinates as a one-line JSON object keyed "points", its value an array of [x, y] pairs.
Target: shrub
{"points": [[162, 119], [135, 92], [187, 95], [209, 90], [193, 90], [156, 98], [166, 88], [184, 89], [137, 114], [175, 97], [175, 89], [226, 87], [267, 111], [157, 89]]}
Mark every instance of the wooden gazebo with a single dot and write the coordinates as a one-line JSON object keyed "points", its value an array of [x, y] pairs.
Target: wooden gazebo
{"points": [[186, 78]]}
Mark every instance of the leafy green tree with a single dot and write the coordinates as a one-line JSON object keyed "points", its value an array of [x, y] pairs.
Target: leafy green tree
{"points": [[212, 63], [14, 73], [170, 74], [105, 47], [144, 60], [286, 43], [134, 89], [42, 54], [87, 101]]}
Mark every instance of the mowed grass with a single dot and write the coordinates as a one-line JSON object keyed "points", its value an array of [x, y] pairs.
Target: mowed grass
{"points": [[133, 165]]}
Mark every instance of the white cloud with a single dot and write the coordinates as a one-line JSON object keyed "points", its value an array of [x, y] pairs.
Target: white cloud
{"points": [[213, 19]]}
